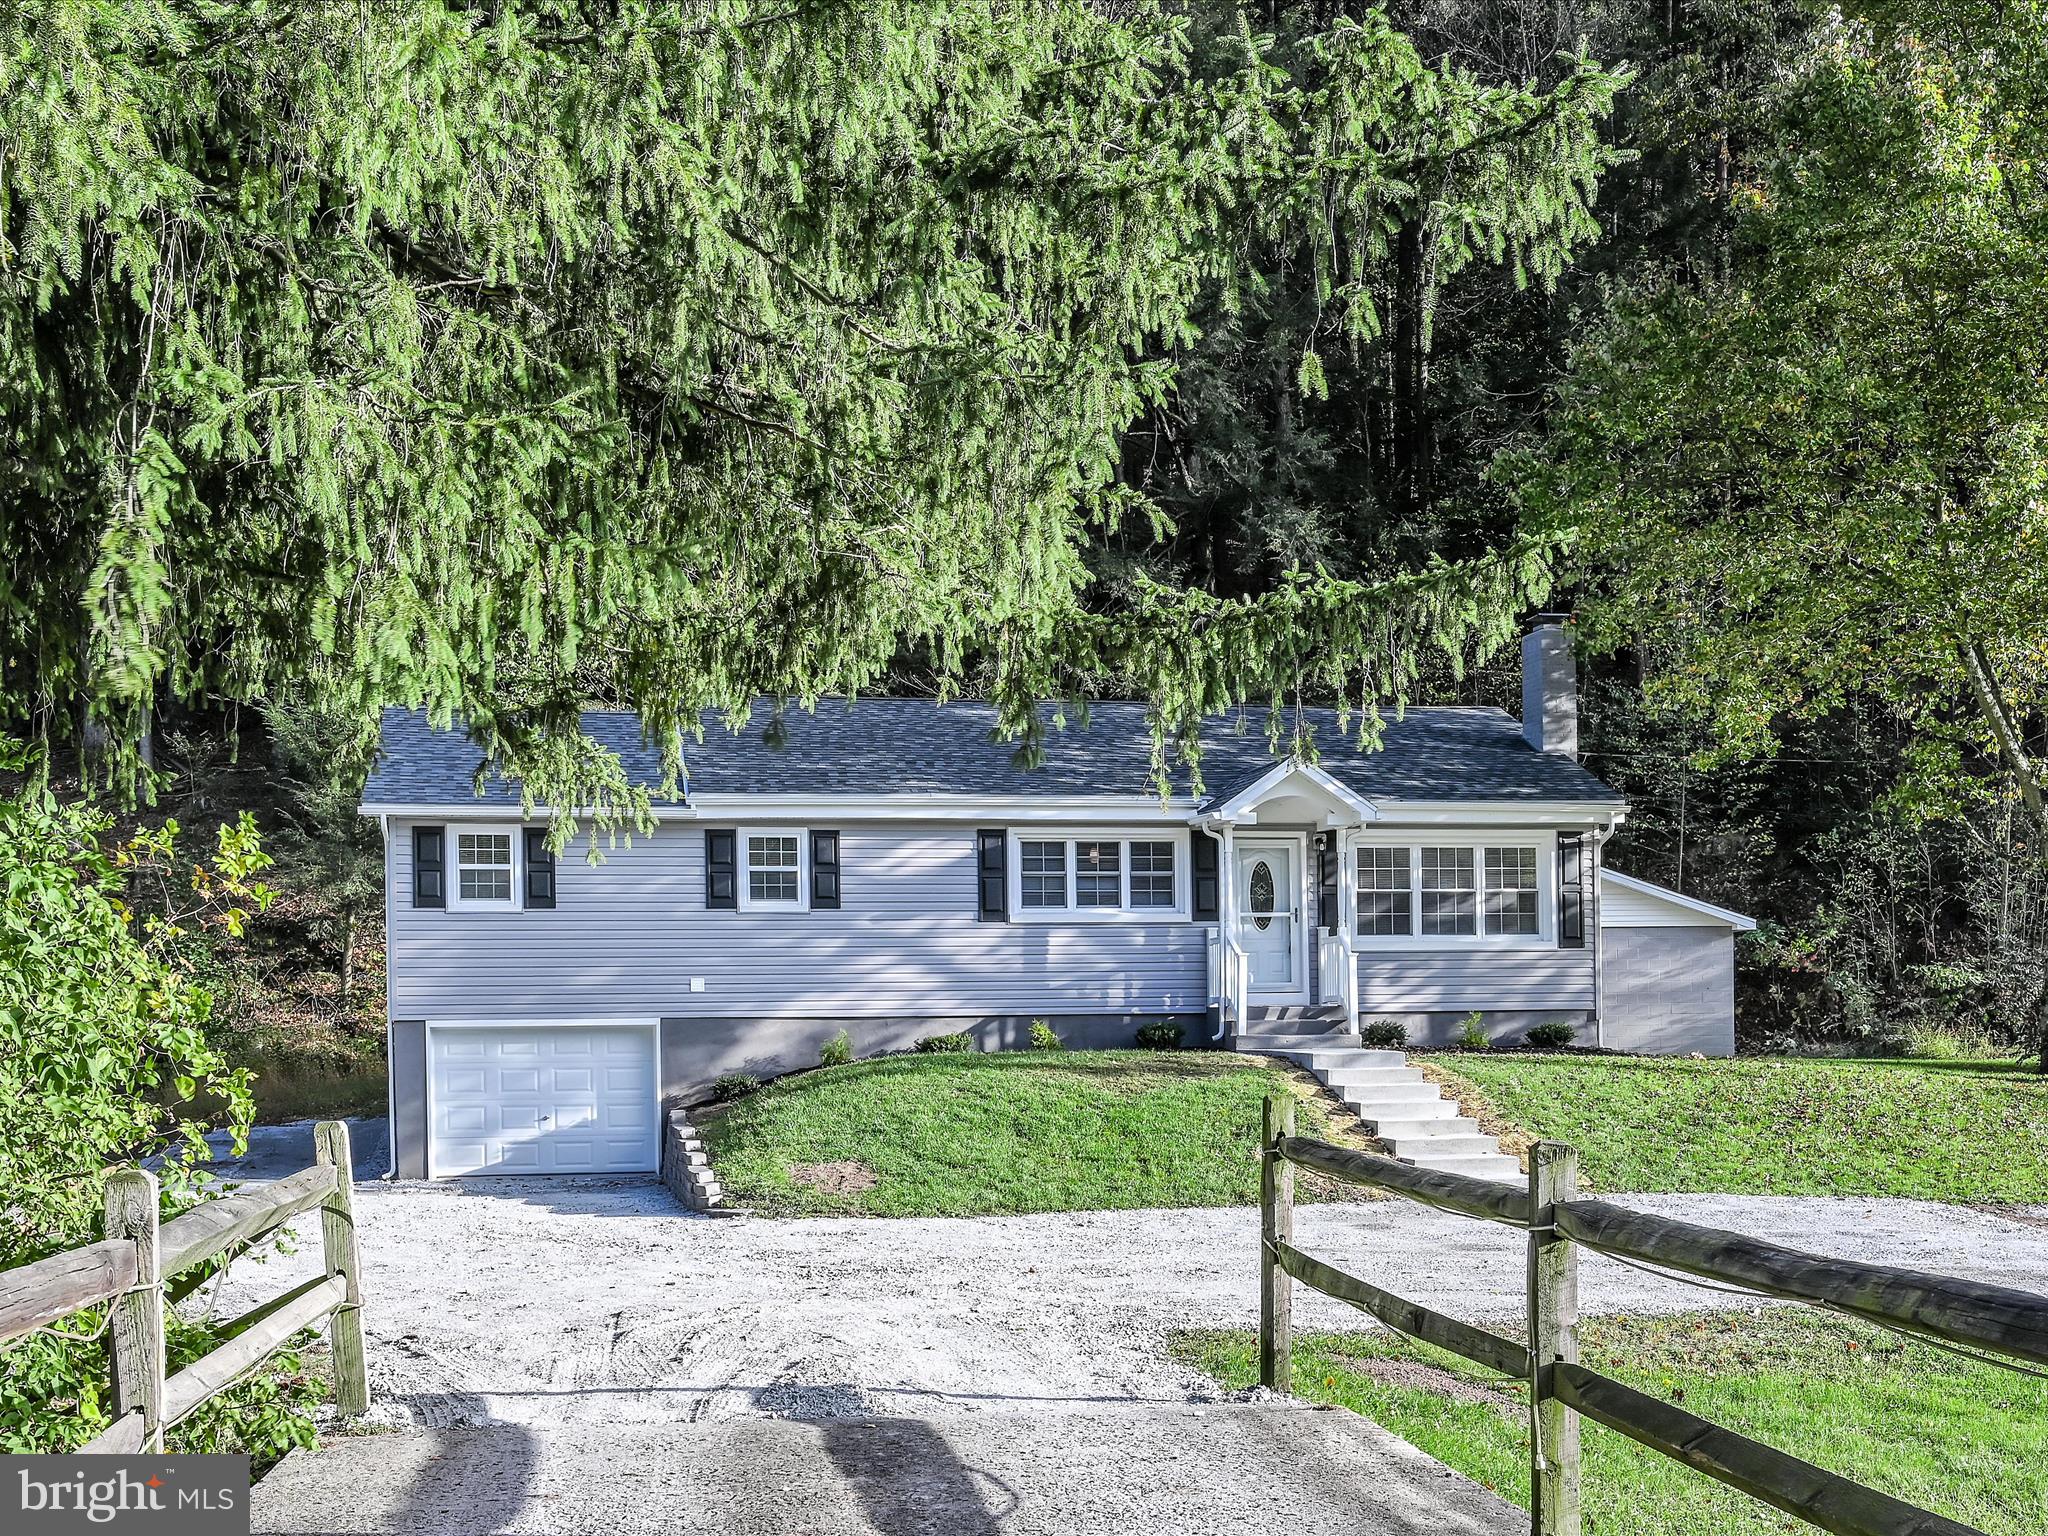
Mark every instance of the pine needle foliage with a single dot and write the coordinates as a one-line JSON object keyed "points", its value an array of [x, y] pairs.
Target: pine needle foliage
{"points": [[687, 352]]}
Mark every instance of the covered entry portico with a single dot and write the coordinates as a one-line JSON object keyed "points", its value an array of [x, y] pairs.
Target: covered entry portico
{"points": [[1285, 914]]}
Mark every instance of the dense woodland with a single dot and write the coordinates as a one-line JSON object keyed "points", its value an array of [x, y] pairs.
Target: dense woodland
{"points": [[1206, 354]]}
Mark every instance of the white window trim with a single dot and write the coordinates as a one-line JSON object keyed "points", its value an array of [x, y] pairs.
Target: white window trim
{"points": [[1124, 912], [747, 901], [1414, 840], [451, 865]]}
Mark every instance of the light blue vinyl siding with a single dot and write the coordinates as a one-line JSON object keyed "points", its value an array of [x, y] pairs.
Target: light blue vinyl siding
{"points": [[627, 935], [1460, 980]]}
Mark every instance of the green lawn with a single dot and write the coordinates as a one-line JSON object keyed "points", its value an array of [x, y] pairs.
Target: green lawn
{"points": [[976, 1135], [1934, 1130], [1966, 1440]]}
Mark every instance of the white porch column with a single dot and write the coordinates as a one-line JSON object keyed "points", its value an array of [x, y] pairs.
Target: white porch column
{"points": [[1226, 912], [1347, 918]]}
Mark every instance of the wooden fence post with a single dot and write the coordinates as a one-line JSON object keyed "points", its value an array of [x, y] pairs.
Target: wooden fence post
{"points": [[338, 1241], [1276, 1225], [136, 1329], [1553, 1336]]}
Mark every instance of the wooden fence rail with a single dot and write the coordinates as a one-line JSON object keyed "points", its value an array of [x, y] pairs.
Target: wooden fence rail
{"points": [[1561, 1391], [138, 1262]]}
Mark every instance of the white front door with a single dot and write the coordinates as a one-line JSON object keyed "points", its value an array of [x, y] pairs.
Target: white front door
{"points": [[1269, 924], [571, 1098]]}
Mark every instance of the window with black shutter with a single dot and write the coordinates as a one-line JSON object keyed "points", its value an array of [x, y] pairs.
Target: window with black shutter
{"points": [[429, 867], [1572, 864], [540, 870], [824, 870], [1208, 884], [721, 868], [992, 871]]}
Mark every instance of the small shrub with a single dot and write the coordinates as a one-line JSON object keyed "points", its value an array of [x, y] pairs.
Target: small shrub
{"points": [[1472, 1035], [1552, 1036], [1159, 1035], [1383, 1035], [947, 1045], [735, 1085], [1044, 1037], [837, 1051], [1946, 1042]]}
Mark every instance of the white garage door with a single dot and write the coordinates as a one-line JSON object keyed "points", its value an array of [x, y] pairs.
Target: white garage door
{"points": [[558, 1099]]}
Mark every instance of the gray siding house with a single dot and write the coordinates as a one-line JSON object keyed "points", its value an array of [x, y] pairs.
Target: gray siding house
{"points": [[886, 868]]}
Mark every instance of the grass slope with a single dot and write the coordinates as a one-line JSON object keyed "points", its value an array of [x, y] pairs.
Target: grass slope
{"points": [[1933, 1130], [977, 1135], [1966, 1440]]}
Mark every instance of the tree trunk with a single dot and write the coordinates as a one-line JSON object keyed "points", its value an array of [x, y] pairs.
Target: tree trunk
{"points": [[1412, 434], [348, 953]]}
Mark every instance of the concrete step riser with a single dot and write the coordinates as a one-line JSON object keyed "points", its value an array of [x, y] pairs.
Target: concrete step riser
{"points": [[1368, 1077], [1354, 1059], [1391, 1129], [1450, 1145], [1500, 1170], [1397, 1106], [1393, 1093]]}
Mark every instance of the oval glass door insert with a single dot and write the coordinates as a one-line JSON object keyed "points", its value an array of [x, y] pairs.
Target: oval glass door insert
{"points": [[1262, 895]]}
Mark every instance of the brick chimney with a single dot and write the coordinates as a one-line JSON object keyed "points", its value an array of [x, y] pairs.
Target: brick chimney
{"points": [[1550, 688]]}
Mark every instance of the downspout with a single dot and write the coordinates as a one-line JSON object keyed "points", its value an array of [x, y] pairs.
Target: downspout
{"points": [[1226, 905], [390, 1088]]}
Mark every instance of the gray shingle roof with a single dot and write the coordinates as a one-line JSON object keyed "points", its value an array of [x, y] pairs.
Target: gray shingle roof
{"points": [[912, 746]]}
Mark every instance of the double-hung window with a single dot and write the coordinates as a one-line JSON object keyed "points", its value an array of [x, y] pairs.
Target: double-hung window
{"points": [[772, 868], [486, 868], [1451, 891], [1386, 904], [1098, 875], [1512, 907], [1450, 898]]}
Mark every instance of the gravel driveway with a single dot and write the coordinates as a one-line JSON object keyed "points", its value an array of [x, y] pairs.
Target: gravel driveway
{"points": [[578, 1301]]}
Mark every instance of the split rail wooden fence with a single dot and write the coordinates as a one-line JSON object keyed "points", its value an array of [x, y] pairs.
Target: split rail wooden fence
{"points": [[1561, 1391], [139, 1261]]}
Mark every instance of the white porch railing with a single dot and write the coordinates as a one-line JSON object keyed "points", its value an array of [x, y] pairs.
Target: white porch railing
{"points": [[1336, 973], [1230, 978]]}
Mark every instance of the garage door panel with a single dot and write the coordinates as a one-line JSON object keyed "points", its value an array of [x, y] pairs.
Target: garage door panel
{"points": [[553, 1099]]}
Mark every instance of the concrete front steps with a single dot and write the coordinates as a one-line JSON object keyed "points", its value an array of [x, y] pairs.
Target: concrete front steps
{"points": [[1400, 1108]]}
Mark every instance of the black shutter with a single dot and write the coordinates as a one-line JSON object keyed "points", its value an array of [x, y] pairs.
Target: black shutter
{"points": [[721, 868], [1326, 880], [824, 870], [992, 869], [1208, 892], [429, 867], [1571, 892], [540, 870]]}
